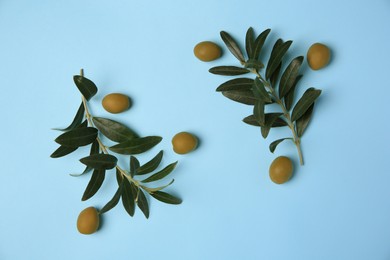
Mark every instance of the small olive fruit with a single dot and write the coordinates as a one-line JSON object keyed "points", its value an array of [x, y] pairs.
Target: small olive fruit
{"points": [[281, 169], [116, 103], [88, 221], [318, 56], [184, 142], [207, 51]]}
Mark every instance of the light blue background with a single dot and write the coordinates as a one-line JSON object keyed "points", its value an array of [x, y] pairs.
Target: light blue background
{"points": [[336, 207]]}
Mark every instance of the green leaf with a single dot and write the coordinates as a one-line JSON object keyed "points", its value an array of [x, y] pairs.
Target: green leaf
{"points": [[119, 176], [161, 187], [274, 77], [95, 149], [62, 151], [114, 201], [236, 84], [303, 121], [151, 165], [270, 118], [289, 76], [251, 120], [142, 203], [275, 143], [113, 130], [94, 184], [232, 46], [276, 57], [136, 146], [258, 112], [249, 41], [242, 96], [228, 70], [100, 161], [134, 165], [128, 198], [259, 42], [304, 103], [289, 98], [260, 92], [77, 119], [254, 64], [78, 137], [166, 197], [87, 88], [161, 174]]}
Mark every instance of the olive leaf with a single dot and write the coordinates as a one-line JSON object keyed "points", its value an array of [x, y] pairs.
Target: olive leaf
{"points": [[150, 165], [232, 46], [236, 84], [289, 98], [128, 198], [249, 41], [134, 165], [161, 174], [242, 96], [304, 103], [161, 187], [289, 76], [275, 143], [276, 57], [113, 130], [260, 92], [142, 203], [76, 121], [165, 197], [270, 118], [77, 137], [258, 112], [100, 161], [136, 146], [228, 70], [62, 151], [254, 64], [275, 76], [251, 120], [303, 121], [95, 149], [94, 184], [114, 201], [87, 88], [259, 42]]}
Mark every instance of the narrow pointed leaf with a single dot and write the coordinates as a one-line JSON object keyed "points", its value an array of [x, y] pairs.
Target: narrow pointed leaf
{"points": [[289, 76], [260, 92], [276, 57], [136, 146], [119, 177], [275, 76], [62, 151], [304, 103], [76, 121], [166, 197], [161, 187], [100, 161], [259, 42], [87, 88], [251, 120], [275, 143], [289, 98], [128, 198], [94, 184], [242, 96], [142, 203], [78, 137], [150, 165], [228, 70], [304, 120], [254, 64], [113, 130], [236, 84], [258, 112], [249, 41], [134, 165], [232, 46], [95, 149], [161, 174], [114, 201], [270, 118]]}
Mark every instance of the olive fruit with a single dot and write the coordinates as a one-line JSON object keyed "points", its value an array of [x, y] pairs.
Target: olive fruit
{"points": [[116, 103], [318, 56], [184, 142], [88, 221], [207, 51], [281, 169]]}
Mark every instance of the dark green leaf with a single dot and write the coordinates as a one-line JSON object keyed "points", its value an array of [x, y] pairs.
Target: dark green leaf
{"points": [[241, 96], [161, 187], [258, 112], [249, 41], [134, 165], [289, 76], [161, 174], [270, 118], [128, 198], [303, 121], [251, 120], [151, 165], [95, 149], [276, 57], [228, 70], [304, 103], [260, 92], [289, 98], [77, 119], [142, 203], [136, 146], [94, 184], [87, 88], [255, 64], [259, 42], [165, 197], [236, 84], [114, 201], [100, 161], [113, 130], [119, 176], [274, 77], [62, 151], [232, 46], [274, 144], [78, 137]]}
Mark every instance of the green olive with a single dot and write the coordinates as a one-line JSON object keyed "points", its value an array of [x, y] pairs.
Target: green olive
{"points": [[88, 221], [281, 169], [184, 142], [318, 56], [116, 103], [207, 51]]}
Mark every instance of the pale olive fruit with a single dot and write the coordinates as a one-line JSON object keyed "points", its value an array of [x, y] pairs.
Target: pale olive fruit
{"points": [[207, 51], [184, 142], [116, 103], [281, 169], [318, 56], [88, 221]]}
